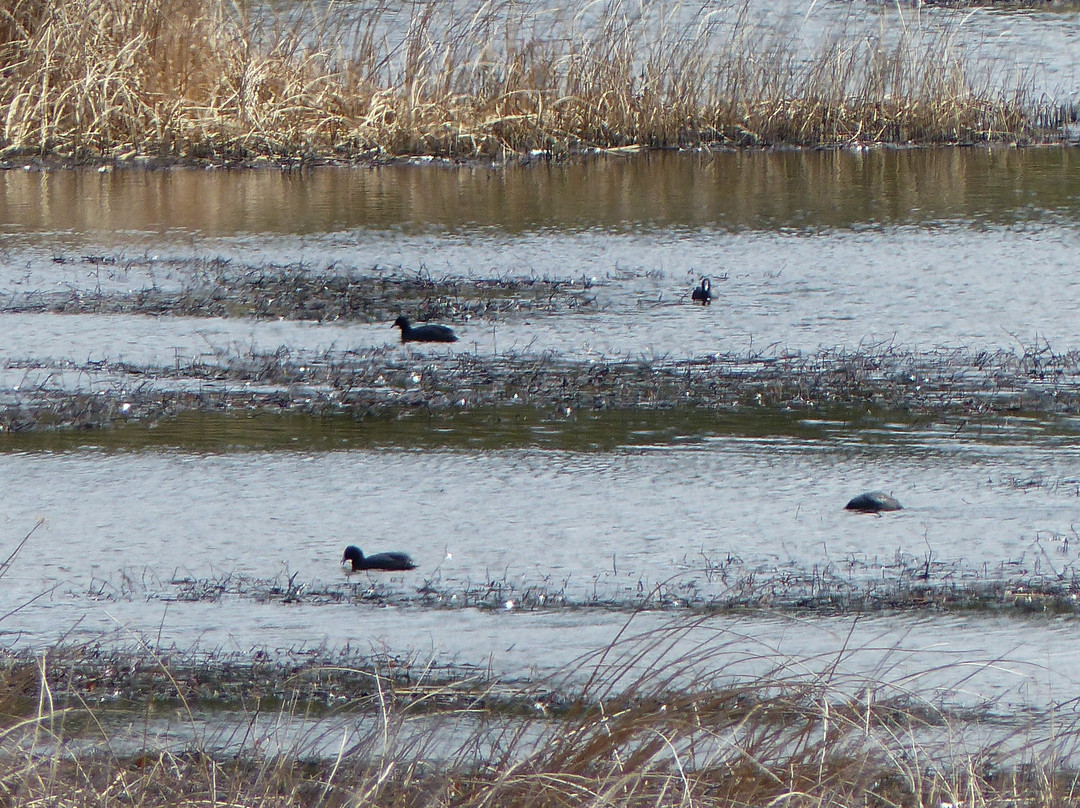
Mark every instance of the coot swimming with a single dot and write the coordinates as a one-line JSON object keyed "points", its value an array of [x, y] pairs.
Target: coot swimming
{"points": [[874, 502], [424, 333], [379, 561], [703, 293]]}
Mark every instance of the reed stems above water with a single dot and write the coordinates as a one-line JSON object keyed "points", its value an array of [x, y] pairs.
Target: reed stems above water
{"points": [[207, 79]]}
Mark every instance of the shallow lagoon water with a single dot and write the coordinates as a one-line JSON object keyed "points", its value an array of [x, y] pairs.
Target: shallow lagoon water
{"points": [[917, 250], [125, 533], [947, 287], [584, 524]]}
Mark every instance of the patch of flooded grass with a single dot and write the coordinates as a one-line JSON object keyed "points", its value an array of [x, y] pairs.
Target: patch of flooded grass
{"points": [[705, 586], [215, 288], [383, 397], [640, 719]]}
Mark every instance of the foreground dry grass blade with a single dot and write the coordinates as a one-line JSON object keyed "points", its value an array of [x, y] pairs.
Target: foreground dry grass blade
{"points": [[210, 79]]}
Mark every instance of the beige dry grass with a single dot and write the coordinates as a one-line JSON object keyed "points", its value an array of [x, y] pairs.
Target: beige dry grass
{"points": [[652, 726], [212, 79]]}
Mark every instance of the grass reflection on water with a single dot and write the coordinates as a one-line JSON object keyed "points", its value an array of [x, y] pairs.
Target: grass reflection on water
{"points": [[520, 427]]}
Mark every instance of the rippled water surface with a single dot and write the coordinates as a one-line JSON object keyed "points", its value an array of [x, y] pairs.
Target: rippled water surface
{"points": [[923, 249], [532, 552]]}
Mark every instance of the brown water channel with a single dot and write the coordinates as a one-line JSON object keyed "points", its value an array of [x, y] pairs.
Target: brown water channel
{"points": [[538, 534]]}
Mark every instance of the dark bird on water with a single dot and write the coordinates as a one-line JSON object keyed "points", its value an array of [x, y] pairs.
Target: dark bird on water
{"points": [[874, 502], [703, 293], [424, 333], [379, 561]]}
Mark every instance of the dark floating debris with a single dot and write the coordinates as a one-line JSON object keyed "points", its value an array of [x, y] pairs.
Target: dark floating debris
{"points": [[703, 294], [874, 502], [424, 333], [379, 561]]}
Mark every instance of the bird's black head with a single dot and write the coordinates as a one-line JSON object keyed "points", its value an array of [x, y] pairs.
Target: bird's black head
{"points": [[401, 322], [353, 554]]}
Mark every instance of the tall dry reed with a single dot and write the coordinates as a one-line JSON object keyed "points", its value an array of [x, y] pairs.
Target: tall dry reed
{"points": [[217, 79]]}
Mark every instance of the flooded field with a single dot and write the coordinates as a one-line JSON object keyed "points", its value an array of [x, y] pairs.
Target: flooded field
{"points": [[204, 402]]}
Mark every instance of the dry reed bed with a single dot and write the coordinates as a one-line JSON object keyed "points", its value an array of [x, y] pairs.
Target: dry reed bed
{"points": [[210, 79], [632, 725]]}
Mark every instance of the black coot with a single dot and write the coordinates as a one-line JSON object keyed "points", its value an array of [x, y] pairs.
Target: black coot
{"points": [[424, 333], [379, 561], [703, 294], [874, 502]]}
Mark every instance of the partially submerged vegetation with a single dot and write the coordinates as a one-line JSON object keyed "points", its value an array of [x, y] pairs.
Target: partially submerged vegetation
{"points": [[215, 289], [505, 398], [372, 396], [194, 80], [237, 396], [212, 80], [627, 727], [704, 585]]}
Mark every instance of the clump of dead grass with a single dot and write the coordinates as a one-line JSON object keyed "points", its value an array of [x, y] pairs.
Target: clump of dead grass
{"points": [[215, 80]]}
